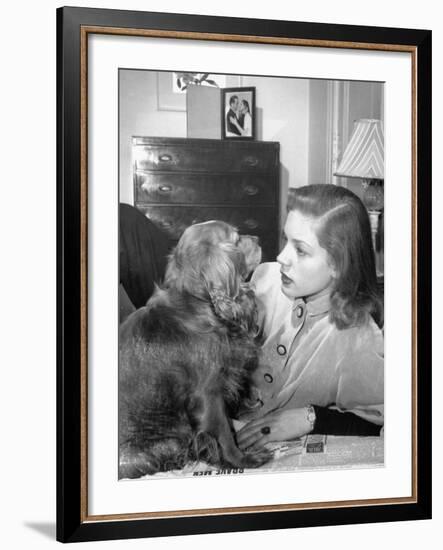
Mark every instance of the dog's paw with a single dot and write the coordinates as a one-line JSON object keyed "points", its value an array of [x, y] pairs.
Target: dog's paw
{"points": [[134, 463], [255, 459]]}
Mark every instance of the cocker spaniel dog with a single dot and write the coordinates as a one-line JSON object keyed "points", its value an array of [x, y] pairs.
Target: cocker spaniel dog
{"points": [[187, 357]]}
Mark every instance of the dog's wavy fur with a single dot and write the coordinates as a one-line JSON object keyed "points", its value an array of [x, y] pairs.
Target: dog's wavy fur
{"points": [[186, 359]]}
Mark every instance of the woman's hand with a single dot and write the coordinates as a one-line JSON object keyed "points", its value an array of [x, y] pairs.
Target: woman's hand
{"points": [[275, 426]]}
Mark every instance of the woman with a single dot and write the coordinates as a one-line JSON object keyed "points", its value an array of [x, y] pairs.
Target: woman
{"points": [[322, 367]]}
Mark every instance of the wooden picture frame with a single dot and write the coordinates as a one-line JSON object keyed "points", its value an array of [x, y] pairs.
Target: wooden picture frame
{"points": [[74, 214]]}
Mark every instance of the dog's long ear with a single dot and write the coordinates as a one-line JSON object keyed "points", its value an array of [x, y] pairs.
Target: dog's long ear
{"points": [[239, 313], [222, 272], [222, 266]]}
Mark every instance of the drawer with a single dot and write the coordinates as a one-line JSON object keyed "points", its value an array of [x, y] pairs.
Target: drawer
{"points": [[238, 189], [204, 158], [260, 221]]}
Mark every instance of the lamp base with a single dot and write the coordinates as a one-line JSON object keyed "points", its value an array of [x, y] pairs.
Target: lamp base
{"points": [[373, 219], [374, 216]]}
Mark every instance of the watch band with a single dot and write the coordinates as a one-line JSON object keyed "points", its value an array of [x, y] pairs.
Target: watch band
{"points": [[310, 416]]}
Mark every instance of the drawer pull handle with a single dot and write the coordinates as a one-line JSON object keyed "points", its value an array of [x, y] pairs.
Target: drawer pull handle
{"points": [[165, 188], [251, 224], [165, 158], [251, 161], [251, 190]]}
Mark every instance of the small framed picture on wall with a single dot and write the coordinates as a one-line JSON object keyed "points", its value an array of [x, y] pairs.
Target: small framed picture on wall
{"points": [[238, 113]]}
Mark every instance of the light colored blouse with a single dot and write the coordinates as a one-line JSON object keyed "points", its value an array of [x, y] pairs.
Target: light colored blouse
{"points": [[307, 360], [247, 125]]}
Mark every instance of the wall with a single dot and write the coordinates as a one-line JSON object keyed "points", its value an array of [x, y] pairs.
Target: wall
{"points": [[352, 101], [283, 116], [318, 131], [296, 112], [364, 100], [293, 112], [282, 107], [139, 116]]}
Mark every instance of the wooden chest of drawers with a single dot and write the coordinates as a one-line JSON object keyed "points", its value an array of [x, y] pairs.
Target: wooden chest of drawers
{"points": [[178, 182]]}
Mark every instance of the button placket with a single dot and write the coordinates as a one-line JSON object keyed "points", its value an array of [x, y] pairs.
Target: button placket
{"points": [[280, 344], [291, 330], [281, 349], [299, 311], [298, 319]]}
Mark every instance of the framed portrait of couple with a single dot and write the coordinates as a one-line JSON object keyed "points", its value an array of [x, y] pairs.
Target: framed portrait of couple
{"points": [[225, 309], [238, 113]]}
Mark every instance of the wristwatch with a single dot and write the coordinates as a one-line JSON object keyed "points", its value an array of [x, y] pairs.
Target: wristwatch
{"points": [[310, 416]]}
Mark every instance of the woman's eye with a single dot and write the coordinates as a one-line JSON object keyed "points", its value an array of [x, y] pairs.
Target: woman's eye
{"points": [[300, 251]]}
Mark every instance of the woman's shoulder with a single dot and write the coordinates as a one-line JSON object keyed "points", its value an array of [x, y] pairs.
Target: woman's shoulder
{"points": [[364, 338]]}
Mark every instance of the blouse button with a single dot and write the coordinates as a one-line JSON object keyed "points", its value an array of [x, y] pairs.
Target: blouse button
{"points": [[281, 350], [268, 378], [299, 311]]}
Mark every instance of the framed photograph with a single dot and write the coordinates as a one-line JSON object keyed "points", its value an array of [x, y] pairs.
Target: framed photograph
{"points": [[172, 86], [238, 113], [280, 423], [169, 96], [182, 80]]}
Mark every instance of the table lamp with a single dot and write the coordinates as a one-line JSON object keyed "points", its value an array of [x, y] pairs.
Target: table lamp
{"points": [[364, 159]]}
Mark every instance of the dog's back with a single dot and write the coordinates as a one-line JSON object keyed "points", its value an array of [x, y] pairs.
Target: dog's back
{"points": [[153, 384], [186, 360], [174, 357]]}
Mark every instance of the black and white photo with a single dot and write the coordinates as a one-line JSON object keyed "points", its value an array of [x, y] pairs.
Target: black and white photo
{"points": [[238, 106], [251, 292]]}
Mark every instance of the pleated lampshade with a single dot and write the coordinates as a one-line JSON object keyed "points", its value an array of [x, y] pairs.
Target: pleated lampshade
{"points": [[364, 154]]}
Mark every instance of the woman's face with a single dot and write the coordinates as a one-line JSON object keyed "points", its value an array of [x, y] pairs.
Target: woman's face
{"points": [[304, 264]]}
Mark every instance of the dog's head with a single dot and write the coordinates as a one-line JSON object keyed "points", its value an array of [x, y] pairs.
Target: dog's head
{"points": [[210, 262]]}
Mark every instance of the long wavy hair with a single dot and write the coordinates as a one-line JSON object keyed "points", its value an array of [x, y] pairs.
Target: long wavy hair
{"points": [[344, 231]]}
